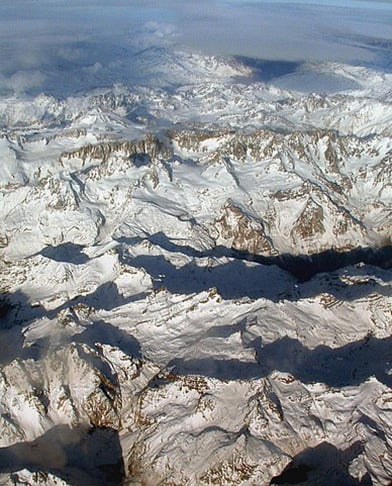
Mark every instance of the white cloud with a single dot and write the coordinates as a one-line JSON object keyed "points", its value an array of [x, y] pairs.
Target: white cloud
{"points": [[77, 42], [93, 69], [154, 33], [71, 53], [22, 81]]}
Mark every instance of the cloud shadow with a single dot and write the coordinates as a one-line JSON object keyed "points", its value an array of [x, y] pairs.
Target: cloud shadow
{"points": [[265, 70]]}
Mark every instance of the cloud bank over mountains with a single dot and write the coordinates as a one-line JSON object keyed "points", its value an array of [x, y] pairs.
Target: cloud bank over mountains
{"points": [[73, 45]]}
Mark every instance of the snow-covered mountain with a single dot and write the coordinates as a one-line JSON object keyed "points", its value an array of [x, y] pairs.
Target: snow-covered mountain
{"points": [[196, 283], [160, 66]]}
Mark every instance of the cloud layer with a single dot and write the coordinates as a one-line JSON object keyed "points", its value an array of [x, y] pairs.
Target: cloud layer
{"points": [[75, 44]]}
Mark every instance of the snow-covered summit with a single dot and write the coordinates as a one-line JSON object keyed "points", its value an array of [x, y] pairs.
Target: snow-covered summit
{"points": [[161, 66]]}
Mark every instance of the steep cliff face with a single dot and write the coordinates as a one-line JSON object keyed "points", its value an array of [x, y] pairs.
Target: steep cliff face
{"points": [[149, 148], [243, 233]]}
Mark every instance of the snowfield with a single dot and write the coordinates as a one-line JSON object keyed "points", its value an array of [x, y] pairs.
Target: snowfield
{"points": [[196, 280]]}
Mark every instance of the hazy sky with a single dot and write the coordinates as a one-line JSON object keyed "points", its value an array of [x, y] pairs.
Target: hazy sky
{"points": [[43, 42]]}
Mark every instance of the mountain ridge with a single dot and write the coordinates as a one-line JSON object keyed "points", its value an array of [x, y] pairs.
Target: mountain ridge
{"points": [[199, 275]]}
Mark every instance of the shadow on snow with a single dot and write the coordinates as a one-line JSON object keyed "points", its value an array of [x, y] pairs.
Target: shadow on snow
{"points": [[302, 267], [324, 465], [17, 311], [348, 365], [80, 456]]}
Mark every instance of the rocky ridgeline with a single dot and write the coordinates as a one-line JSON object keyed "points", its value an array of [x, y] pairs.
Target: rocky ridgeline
{"points": [[243, 233], [317, 163], [150, 146]]}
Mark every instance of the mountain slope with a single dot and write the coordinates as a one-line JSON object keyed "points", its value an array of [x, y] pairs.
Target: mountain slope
{"points": [[196, 282]]}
